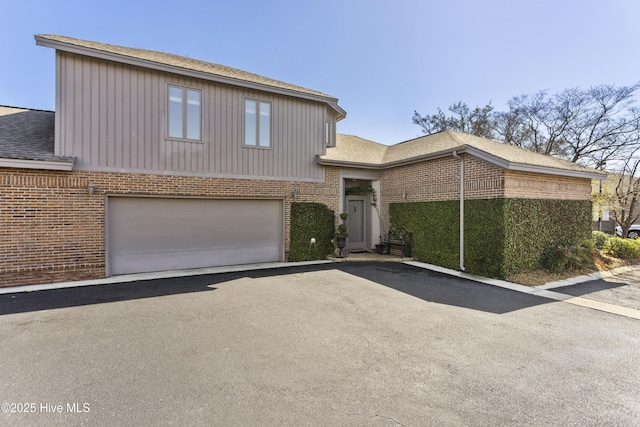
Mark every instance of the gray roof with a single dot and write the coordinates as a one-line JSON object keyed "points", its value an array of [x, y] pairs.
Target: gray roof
{"points": [[357, 152], [182, 65], [28, 135]]}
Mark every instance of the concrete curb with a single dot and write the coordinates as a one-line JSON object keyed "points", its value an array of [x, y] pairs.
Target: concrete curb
{"points": [[158, 275], [544, 292], [588, 277]]}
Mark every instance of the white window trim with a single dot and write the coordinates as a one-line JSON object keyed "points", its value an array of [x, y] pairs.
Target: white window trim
{"points": [[184, 113]]}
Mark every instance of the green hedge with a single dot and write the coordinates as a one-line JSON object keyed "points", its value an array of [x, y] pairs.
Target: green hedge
{"points": [[434, 229], [502, 236], [311, 220], [623, 248], [533, 226]]}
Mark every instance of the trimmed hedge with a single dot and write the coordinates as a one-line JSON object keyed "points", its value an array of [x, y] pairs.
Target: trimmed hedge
{"points": [[623, 248], [502, 236], [533, 225], [311, 220], [434, 229]]}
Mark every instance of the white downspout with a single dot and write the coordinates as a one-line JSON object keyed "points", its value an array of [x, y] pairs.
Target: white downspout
{"points": [[455, 154]]}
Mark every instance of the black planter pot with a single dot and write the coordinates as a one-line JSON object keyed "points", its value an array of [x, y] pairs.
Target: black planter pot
{"points": [[341, 242]]}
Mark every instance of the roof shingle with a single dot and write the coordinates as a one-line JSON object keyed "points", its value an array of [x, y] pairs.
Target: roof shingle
{"points": [[354, 150], [180, 62], [28, 135]]}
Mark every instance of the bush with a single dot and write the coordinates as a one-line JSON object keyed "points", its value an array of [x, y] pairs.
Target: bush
{"points": [[311, 220], [600, 239], [502, 236], [623, 248], [559, 259]]}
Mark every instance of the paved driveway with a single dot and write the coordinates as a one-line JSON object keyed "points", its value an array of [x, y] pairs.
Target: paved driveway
{"points": [[622, 290], [338, 344]]}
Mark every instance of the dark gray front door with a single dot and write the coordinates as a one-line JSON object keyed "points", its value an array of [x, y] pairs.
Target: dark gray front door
{"points": [[356, 221]]}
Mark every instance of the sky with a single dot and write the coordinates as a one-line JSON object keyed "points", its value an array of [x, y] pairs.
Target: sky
{"points": [[383, 60]]}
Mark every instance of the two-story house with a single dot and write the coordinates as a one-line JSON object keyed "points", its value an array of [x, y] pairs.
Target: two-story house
{"points": [[160, 162], [154, 161]]}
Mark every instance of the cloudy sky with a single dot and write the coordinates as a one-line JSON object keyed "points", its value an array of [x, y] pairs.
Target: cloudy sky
{"points": [[382, 59]]}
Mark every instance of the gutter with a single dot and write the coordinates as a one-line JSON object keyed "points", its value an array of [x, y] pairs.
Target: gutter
{"points": [[490, 158], [455, 154], [65, 165]]}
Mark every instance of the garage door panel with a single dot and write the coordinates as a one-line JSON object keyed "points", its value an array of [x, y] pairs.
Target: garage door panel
{"points": [[141, 262], [154, 234]]}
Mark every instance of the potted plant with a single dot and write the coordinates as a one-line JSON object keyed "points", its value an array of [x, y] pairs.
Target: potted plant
{"points": [[342, 235]]}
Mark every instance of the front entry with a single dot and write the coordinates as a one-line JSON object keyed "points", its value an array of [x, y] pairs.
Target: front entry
{"points": [[356, 223]]}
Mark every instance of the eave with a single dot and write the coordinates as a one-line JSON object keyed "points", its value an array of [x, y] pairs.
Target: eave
{"points": [[138, 62], [37, 164], [522, 167], [489, 158]]}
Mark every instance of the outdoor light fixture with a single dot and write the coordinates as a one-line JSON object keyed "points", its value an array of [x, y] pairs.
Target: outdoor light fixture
{"points": [[92, 189], [294, 193], [404, 193]]}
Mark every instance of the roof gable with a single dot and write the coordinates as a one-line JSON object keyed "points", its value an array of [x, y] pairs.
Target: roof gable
{"points": [[443, 144], [182, 65]]}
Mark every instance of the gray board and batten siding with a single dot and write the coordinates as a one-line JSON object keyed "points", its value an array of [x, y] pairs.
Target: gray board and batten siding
{"points": [[112, 117]]}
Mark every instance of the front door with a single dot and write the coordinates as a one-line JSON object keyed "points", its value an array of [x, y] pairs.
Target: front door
{"points": [[357, 240]]}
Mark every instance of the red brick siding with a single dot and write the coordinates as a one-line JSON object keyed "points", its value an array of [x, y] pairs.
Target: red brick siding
{"points": [[53, 230], [440, 180]]}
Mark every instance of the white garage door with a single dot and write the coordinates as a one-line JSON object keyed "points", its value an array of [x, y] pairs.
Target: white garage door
{"points": [[154, 234]]}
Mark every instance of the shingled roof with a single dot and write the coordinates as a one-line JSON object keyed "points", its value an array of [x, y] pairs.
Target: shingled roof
{"points": [[357, 152], [183, 65], [27, 136]]}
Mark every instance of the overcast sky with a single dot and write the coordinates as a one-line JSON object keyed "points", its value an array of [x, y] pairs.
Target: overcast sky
{"points": [[382, 59]]}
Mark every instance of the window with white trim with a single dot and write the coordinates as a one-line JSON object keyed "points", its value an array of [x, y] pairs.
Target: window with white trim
{"points": [[185, 113], [257, 123]]}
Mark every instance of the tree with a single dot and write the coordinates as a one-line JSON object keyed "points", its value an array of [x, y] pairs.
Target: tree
{"points": [[626, 199], [478, 121], [594, 127], [588, 126]]}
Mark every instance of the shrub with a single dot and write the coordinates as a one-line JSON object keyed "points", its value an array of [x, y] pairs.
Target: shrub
{"points": [[623, 248], [600, 239], [311, 220], [559, 259], [502, 236]]}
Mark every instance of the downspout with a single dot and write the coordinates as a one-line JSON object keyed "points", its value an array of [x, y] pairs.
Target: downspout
{"points": [[455, 154]]}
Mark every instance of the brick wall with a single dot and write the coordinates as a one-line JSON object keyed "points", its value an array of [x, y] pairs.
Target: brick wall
{"points": [[439, 179], [53, 230], [527, 185]]}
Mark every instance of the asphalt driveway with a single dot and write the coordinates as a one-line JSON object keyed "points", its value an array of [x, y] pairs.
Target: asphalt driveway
{"points": [[335, 344]]}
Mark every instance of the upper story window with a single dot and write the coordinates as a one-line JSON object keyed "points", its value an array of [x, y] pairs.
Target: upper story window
{"points": [[330, 133], [185, 113], [327, 139], [257, 123]]}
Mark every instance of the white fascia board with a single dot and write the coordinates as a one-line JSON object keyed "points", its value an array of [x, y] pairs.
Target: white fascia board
{"points": [[554, 171], [489, 158], [346, 164], [36, 164], [431, 156], [124, 59]]}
